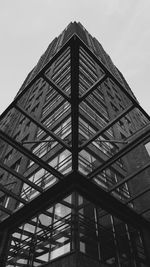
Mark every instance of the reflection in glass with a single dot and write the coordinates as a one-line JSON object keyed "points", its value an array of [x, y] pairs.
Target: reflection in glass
{"points": [[76, 224]]}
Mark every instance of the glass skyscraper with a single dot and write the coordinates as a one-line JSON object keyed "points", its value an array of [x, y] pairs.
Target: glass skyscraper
{"points": [[75, 163]]}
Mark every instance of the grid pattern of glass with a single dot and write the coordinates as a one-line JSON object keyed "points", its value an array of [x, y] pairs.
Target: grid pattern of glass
{"points": [[72, 222], [74, 118]]}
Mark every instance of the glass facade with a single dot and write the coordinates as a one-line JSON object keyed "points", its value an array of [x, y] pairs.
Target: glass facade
{"points": [[76, 142], [75, 224]]}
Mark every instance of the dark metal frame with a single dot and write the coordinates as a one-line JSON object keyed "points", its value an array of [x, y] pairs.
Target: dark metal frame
{"points": [[74, 181]]}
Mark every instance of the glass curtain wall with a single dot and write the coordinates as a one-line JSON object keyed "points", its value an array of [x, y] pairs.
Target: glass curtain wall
{"points": [[75, 224]]}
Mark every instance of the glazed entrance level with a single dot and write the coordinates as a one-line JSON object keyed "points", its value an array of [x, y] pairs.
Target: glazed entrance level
{"points": [[75, 224]]}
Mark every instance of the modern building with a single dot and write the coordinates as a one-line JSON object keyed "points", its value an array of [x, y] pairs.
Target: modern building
{"points": [[75, 163]]}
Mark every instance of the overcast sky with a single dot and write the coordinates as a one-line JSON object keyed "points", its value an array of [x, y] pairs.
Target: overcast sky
{"points": [[28, 26]]}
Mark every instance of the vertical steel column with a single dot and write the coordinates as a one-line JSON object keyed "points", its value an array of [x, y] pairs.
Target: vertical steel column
{"points": [[146, 243], [4, 241], [75, 242], [75, 100]]}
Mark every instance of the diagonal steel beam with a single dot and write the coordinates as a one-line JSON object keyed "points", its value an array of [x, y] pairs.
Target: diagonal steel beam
{"points": [[74, 182], [134, 197], [30, 155], [20, 177], [102, 199], [75, 101], [127, 148], [110, 75], [93, 87], [49, 197], [129, 177], [38, 76], [39, 124], [13, 195], [56, 87], [109, 124], [2, 208], [145, 211]]}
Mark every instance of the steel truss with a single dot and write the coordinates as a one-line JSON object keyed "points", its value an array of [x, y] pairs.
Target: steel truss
{"points": [[75, 181]]}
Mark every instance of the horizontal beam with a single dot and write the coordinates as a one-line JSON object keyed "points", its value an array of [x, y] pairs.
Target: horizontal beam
{"points": [[129, 177], [141, 193], [109, 124], [30, 155], [75, 182], [113, 141], [48, 198], [102, 199], [44, 128], [11, 194], [37, 142], [20, 177], [127, 148]]}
